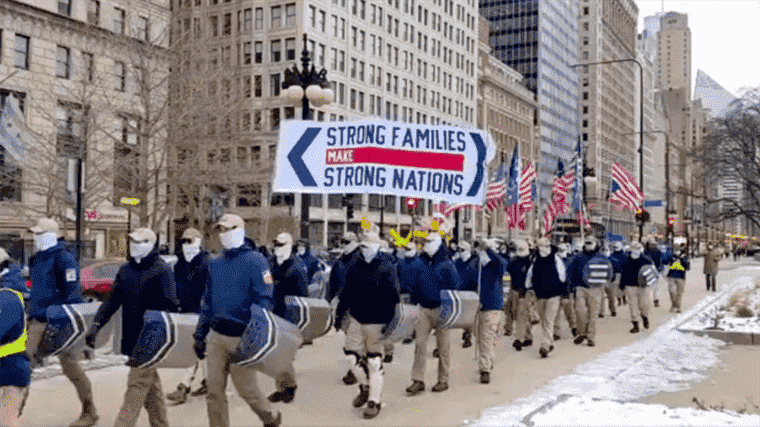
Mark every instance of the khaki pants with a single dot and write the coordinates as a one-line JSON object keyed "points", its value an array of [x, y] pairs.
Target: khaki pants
{"points": [[510, 310], [488, 333], [10, 402], [611, 292], [220, 348], [69, 364], [547, 311], [587, 304], [523, 317], [566, 306], [365, 339], [143, 390], [425, 323], [676, 287], [195, 374], [639, 300]]}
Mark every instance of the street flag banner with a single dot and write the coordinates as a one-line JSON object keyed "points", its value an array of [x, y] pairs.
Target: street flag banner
{"points": [[13, 132], [513, 190], [497, 189], [623, 189], [383, 157], [527, 189]]}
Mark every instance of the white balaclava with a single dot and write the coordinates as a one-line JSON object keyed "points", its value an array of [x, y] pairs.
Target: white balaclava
{"points": [[233, 238], [431, 246], [369, 251], [191, 250], [410, 251], [636, 253], [45, 241], [544, 251], [282, 253], [483, 256], [301, 249], [138, 251], [465, 255], [350, 247]]}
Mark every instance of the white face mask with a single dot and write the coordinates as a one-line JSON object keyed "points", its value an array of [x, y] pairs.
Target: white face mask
{"points": [[410, 253], [522, 254], [544, 251], [191, 250], [465, 255], [138, 251], [635, 254], [432, 246], [484, 258], [369, 252], [45, 241], [283, 252], [301, 251], [233, 238], [350, 247]]}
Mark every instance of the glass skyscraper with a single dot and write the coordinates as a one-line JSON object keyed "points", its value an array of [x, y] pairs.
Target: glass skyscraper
{"points": [[539, 39]]}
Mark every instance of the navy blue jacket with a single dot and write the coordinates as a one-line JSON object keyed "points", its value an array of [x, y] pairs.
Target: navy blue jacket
{"points": [[468, 272], [629, 275], [410, 271], [518, 271], [55, 280], [546, 279], [138, 288], [190, 278], [310, 262], [675, 272], [656, 256], [13, 280], [338, 274], [237, 279], [289, 279], [491, 288], [14, 368], [441, 274], [576, 268], [371, 294], [616, 259]]}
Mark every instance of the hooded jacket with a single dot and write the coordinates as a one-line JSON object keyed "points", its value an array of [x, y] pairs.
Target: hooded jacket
{"points": [[237, 279], [55, 280], [491, 288], [371, 294], [309, 261], [441, 274], [14, 368], [289, 279], [138, 288], [190, 278], [338, 274]]}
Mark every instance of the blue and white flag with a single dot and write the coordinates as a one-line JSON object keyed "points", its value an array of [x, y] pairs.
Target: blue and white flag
{"points": [[13, 132]]}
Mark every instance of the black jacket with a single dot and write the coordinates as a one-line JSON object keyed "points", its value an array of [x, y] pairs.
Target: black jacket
{"points": [[138, 288], [289, 279], [371, 291], [191, 281], [629, 275]]}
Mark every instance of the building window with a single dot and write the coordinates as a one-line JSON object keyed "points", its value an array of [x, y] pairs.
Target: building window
{"points": [[353, 99], [257, 86], [290, 16], [249, 195], [22, 52], [259, 18], [88, 60], [93, 12], [290, 112], [276, 17], [227, 24], [64, 7], [119, 18], [63, 62], [126, 156], [214, 23], [275, 119], [585, 95], [247, 20], [120, 76], [276, 48], [71, 121], [274, 84], [320, 56], [290, 49], [143, 29], [258, 52], [247, 53]]}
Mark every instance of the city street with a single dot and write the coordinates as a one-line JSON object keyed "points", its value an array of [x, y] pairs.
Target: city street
{"points": [[322, 399]]}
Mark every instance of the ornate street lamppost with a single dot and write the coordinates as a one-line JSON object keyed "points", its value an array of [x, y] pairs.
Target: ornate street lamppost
{"points": [[303, 86]]}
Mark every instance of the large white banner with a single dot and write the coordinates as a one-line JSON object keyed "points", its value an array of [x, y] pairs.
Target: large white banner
{"points": [[433, 162]]}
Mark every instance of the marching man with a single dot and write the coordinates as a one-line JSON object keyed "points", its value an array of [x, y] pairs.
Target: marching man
{"points": [[637, 294], [546, 278], [491, 268]]}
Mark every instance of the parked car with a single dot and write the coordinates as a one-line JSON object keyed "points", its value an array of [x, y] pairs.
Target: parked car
{"points": [[97, 276]]}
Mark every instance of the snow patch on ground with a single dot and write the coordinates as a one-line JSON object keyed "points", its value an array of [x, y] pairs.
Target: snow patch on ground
{"points": [[601, 391], [706, 318]]}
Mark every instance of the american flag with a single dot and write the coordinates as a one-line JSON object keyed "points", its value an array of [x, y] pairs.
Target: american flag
{"points": [[513, 190], [527, 179], [496, 190], [623, 189], [558, 205], [443, 210]]}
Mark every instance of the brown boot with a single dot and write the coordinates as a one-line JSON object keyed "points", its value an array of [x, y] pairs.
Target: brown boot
{"points": [[89, 416]]}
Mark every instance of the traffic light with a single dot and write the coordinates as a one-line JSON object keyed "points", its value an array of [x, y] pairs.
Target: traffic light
{"points": [[411, 202], [642, 215]]}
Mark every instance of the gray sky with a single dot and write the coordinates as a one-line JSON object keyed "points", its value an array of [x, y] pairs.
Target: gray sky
{"points": [[724, 38]]}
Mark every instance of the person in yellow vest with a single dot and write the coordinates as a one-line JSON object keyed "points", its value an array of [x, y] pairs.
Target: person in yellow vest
{"points": [[679, 264], [15, 374]]}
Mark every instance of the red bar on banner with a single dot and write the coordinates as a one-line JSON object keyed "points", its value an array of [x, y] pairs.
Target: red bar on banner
{"points": [[394, 157]]}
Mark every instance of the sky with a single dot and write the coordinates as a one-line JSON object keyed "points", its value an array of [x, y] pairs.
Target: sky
{"points": [[723, 33]]}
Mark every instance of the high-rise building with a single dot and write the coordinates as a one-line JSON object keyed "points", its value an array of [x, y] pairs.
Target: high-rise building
{"points": [[77, 70], [608, 99], [674, 52], [403, 60], [539, 39], [713, 96]]}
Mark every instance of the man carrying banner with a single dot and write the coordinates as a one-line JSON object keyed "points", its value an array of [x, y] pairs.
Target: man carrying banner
{"points": [[55, 279], [145, 283]]}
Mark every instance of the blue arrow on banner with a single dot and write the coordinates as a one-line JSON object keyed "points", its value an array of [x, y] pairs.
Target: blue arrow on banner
{"points": [[296, 157], [481, 146]]}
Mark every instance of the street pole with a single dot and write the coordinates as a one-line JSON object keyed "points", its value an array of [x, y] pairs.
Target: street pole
{"points": [[382, 211], [641, 120], [79, 210]]}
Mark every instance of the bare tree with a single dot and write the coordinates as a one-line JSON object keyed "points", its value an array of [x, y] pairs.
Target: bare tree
{"points": [[731, 152]]}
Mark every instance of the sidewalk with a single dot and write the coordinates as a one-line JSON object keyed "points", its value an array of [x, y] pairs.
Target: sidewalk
{"points": [[622, 367]]}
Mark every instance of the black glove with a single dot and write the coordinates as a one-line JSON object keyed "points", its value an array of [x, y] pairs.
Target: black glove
{"points": [[92, 334], [200, 349]]}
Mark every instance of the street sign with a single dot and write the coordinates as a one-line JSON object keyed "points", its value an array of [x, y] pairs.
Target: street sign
{"points": [[372, 156], [130, 201], [652, 203]]}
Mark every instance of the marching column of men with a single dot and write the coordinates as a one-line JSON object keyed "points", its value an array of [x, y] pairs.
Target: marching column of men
{"points": [[366, 283]]}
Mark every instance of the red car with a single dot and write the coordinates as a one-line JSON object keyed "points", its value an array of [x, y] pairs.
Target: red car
{"points": [[97, 277]]}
